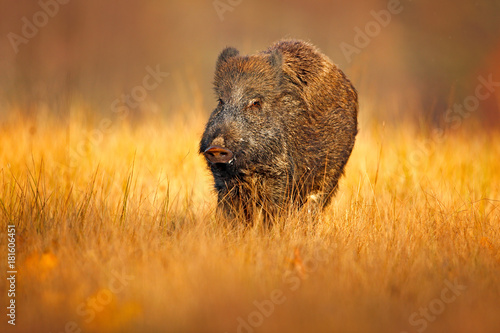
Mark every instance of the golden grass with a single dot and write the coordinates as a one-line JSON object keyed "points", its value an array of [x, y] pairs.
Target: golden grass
{"points": [[138, 203]]}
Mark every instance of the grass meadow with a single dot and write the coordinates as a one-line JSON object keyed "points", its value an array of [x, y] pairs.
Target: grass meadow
{"points": [[116, 232]]}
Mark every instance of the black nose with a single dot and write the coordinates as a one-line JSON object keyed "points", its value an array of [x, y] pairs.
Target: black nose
{"points": [[216, 154]]}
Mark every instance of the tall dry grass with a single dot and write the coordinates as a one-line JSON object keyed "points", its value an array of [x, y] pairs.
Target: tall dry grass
{"points": [[119, 234]]}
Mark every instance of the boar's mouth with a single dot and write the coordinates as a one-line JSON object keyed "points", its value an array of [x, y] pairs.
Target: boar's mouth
{"points": [[219, 155]]}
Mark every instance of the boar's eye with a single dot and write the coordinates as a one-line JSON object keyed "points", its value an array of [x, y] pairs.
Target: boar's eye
{"points": [[255, 103], [220, 101]]}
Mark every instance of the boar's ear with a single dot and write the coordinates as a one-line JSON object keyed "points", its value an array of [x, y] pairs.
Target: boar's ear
{"points": [[227, 53], [275, 58]]}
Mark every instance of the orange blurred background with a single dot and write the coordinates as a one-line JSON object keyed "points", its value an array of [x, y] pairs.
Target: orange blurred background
{"points": [[417, 63]]}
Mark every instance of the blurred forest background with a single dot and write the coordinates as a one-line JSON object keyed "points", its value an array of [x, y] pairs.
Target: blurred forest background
{"points": [[426, 59]]}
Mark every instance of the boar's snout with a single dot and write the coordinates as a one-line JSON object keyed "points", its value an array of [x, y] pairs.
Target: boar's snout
{"points": [[216, 154]]}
